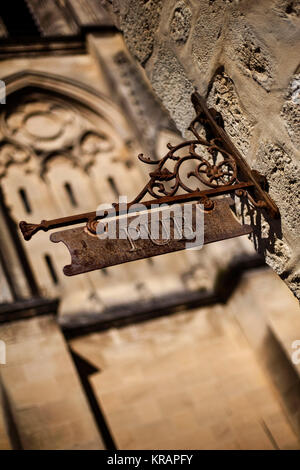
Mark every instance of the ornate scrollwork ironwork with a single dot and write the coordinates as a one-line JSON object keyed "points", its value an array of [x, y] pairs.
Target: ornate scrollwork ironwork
{"points": [[219, 169], [213, 170], [218, 165]]}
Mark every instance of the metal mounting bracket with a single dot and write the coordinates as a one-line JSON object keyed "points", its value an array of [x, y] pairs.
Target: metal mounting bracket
{"points": [[220, 169]]}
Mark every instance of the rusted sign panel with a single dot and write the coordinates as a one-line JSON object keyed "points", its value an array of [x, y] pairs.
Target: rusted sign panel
{"points": [[89, 252]]}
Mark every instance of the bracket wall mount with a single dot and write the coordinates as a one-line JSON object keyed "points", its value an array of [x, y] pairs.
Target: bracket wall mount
{"points": [[220, 169]]}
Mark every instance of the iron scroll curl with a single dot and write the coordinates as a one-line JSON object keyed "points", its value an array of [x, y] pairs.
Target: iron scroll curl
{"points": [[219, 169]]}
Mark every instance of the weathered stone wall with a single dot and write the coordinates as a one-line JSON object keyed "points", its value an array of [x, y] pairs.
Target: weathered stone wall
{"points": [[42, 403], [244, 58]]}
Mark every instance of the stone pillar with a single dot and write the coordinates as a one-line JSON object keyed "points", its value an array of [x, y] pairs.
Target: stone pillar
{"points": [[5, 443], [47, 405]]}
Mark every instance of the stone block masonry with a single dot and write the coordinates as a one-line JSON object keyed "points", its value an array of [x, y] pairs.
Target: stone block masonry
{"points": [[44, 401]]}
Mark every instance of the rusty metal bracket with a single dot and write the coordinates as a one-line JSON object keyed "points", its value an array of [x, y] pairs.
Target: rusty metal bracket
{"points": [[220, 169], [213, 123]]}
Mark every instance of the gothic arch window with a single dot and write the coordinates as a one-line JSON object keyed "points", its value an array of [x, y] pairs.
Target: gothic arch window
{"points": [[60, 155]]}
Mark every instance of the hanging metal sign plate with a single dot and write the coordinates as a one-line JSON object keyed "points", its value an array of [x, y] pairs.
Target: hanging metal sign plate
{"points": [[212, 163], [89, 252]]}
